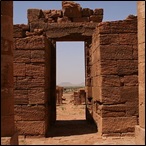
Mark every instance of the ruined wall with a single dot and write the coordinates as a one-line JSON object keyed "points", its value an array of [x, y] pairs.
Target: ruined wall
{"points": [[59, 94], [140, 129], [113, 80], [31, 82], [71, 12], [8, 131]]}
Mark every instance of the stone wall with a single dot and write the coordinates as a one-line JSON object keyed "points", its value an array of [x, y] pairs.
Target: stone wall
{"points": [[31, 82], [112, 77], [140, 129], [79, 97]]}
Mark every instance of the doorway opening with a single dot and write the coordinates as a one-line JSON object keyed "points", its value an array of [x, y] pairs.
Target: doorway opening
{"points": [[70, 90], [70, 80]]}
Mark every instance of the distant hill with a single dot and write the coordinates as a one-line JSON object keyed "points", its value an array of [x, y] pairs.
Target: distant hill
{"points": [[68, 84]]}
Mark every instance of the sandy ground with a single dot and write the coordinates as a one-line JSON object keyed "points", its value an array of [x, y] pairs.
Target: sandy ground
{"points": [[71, 128]]}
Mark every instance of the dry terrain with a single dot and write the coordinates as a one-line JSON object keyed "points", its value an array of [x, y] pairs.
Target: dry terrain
{"points": [[71, 128]]}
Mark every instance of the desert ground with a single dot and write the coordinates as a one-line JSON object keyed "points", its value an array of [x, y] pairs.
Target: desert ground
{"points": [[71, 128]]}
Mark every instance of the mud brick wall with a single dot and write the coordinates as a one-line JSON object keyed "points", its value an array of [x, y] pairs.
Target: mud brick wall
{"points": [[113, 69], [71, 12], [31, 82], [140, 129]]}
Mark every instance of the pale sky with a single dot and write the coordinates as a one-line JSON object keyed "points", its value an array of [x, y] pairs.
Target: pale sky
{"points": [[70, 55]]}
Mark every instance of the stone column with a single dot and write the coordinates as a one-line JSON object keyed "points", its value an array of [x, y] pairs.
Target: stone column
{"points": [[8, 131], [140, 129]]}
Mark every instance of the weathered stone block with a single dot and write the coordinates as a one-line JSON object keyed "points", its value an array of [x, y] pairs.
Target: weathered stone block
{"points": [[31, 127], [98, 11], [22, 83], [22, 56], [35, 70], [110, 80], [86, 12], [37, 56], [127, 67], [17, 112], [71, 9], [82, 19], [130, 80], [129, 93], [116, 52], [34, 14], [63, 19], [111, 95], [32, 113], [108, 39], [30, 43], [18, 31], [96, 18], [128, 38], [20, 97], [36, 82], [36, 96], [118, 124], [19, 69], [108, 67]]}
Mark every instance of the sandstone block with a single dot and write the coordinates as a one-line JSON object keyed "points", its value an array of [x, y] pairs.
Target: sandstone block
{"points": [[131, 80], [71, 9], [36, 82], [18, 32], [37, 56], [22, 56], [19, 69], [63, 19], [22, 84], [20, 97], [111, 95], [31, 127], [128, 38], [96, 18], [86, 12], [34, 14], [118, 124], [36, 96], [30, 43], [110, 80], [82, 19], [32, 113], [98, 11], [108, 67], [17, 112], [129, 93], [127, 67], [109, 39], [35, 70], [116, 52]]}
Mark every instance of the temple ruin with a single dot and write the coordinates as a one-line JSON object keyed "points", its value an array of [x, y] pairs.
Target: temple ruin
{"points": [[114, 70]]}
